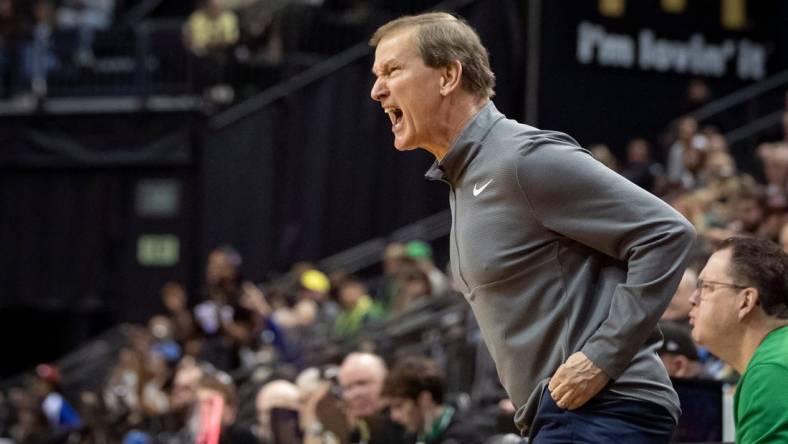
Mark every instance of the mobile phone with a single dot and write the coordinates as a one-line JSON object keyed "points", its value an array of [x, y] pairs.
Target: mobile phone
{"points": [[284, 426], [331, 414]]}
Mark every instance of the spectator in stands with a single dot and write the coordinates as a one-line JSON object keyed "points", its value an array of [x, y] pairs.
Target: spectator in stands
{"points": [[163, 341], [153, 394], [278, 394], [173, 297], [183, 392], [222, 273], [122, 390], [261, 29], [774, 157], [717, 143], [269, 341], [685, 156], [60, 414], [678, 352], [209, 388], [719, 166], [784, 237], [211, 29], [31, 424], [38, 57], [694, 207], [9, 24], [415, 389], [97, 428], [361, 377], [86, 17], [640, 168], [209, 32], [11, 32], [421, 253], [740, 313], [603, 154], [413, 287], [386, 288], [225, 321], [312, 304], [698, 94], [358, 308], [749, 212], [680, 306]]}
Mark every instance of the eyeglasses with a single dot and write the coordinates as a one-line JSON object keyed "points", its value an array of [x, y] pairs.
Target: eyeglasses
{"points": [[704, 285]]}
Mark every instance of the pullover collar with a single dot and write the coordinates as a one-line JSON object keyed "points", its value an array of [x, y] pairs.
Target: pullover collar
{"points": [[467, 145]]}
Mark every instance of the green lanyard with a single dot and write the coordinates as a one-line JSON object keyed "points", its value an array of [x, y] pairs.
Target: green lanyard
{"points": [[438, 426]]}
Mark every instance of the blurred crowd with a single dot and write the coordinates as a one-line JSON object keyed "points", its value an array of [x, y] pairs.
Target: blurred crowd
{"points": [[227, 364], [238, 337], [27, 38], [227, 43]]}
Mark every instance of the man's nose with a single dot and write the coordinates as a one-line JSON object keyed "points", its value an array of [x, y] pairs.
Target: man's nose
{"points": [[378, 90], [694, 297]]}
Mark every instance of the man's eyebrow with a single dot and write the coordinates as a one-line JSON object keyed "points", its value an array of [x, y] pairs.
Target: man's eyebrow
{"points": [[383, 66]]}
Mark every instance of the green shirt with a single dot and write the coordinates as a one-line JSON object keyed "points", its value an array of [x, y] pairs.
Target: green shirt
{"points": [[349, 322], [760, 406]]}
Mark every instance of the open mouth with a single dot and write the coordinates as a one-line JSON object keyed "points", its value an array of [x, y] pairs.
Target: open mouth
{"points": [[395, 114]]}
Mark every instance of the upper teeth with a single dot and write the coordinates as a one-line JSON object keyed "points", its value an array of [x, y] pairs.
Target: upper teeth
{"points": [[392, 113]]}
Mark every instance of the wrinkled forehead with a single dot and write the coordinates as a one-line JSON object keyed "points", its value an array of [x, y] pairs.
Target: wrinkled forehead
{"points": [[397, 46], [362, 374]]}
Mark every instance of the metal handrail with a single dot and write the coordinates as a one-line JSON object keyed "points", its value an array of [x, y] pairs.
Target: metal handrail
{"points": [[368, 253], [138, 12], [754, 127], [311, 75], [279, 91], [740, 96]]}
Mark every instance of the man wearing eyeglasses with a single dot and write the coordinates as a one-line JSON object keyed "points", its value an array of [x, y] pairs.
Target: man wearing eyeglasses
{"points": [[740, 313]]}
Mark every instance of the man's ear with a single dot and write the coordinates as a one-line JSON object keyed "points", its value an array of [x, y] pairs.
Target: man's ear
{"points": [[451, 77], [749, 302]]}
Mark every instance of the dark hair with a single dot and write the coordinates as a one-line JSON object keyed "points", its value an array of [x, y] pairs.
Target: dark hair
{"points": [[351, 281], [762, 264], [223, 384], [413, 375], [232, 253]]}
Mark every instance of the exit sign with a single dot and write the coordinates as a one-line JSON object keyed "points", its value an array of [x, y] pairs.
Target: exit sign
{"points": [[158, 250]]}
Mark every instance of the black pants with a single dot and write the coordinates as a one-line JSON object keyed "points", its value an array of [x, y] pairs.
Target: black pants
{"points": [[602, 421]]}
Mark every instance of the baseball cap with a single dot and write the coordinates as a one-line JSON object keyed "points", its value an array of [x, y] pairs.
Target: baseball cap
{"points": [[314, 280], [418, 250], [677, 340], [48, 373]]}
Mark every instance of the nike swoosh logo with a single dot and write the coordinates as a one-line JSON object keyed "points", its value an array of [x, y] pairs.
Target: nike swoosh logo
{"points": [[478, 191]]}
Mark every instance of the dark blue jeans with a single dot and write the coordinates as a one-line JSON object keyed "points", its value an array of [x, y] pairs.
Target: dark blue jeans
{"points": [[602, 421]]}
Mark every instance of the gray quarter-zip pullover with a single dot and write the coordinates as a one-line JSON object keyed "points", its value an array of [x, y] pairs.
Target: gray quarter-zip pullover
{"points": [[556, 254]]}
